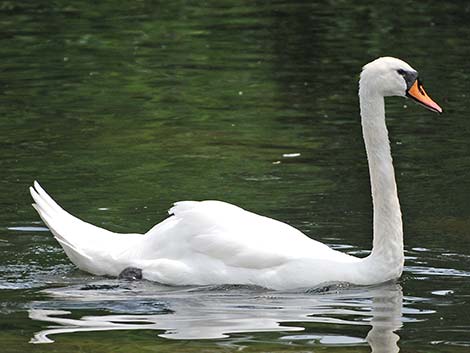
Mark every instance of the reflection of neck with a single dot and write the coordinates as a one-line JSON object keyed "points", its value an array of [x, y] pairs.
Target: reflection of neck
{"points": [[387, 252], [386, 318]]}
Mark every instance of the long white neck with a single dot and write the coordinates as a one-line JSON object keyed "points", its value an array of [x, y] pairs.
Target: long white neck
{"points": [[386, 258]]}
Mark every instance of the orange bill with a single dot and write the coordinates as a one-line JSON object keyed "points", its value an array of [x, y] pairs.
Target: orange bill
{"points": [[417, 93]]}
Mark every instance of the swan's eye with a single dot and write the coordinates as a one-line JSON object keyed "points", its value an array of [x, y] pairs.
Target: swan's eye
{"points": [[401, 72], [409, 76]]}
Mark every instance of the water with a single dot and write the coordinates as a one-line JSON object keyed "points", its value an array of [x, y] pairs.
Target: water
{"points": [[119, 110]]}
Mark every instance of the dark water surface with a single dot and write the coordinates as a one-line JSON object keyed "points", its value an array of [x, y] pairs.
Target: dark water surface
{"points": [[119, 109]]}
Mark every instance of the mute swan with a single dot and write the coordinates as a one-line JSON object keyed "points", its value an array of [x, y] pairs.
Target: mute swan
{"points": [[213, 242]]}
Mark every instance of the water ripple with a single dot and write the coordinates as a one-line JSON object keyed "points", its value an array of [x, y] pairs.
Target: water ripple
{"points": [[212, 312]]}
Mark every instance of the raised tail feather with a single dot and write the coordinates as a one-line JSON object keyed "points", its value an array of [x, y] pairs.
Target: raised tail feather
{"points": [[56, 219], [90, 248]]}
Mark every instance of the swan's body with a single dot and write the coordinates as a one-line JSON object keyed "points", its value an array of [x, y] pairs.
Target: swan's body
{"points": [[213, 242]]}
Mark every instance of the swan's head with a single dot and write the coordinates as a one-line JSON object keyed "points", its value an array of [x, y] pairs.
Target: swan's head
{"points": [[388, 76]]}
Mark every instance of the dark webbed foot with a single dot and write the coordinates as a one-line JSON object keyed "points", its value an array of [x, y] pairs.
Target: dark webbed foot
{"points": [[131, 273]]}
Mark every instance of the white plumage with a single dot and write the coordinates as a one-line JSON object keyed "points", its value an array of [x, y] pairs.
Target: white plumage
{"points": [[213, 242]]}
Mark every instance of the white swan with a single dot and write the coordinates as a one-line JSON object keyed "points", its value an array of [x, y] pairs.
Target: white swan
{"points": [[213, 242]]}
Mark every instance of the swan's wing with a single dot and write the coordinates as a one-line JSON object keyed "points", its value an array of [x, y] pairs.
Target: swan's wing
{"points": [[232, 236]]}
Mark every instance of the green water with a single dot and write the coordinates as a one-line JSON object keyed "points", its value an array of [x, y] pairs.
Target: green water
{"points": [[120, 109]]}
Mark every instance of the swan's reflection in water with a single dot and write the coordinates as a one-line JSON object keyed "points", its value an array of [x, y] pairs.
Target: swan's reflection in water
{"points": [[386, 319], [215, 312]]}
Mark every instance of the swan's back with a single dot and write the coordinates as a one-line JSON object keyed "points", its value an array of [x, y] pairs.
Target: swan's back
{"points": [[223, 231]]}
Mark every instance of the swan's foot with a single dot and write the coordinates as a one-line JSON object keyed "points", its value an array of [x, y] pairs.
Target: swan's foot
{"points": [[329, 287], [131, 273]]}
